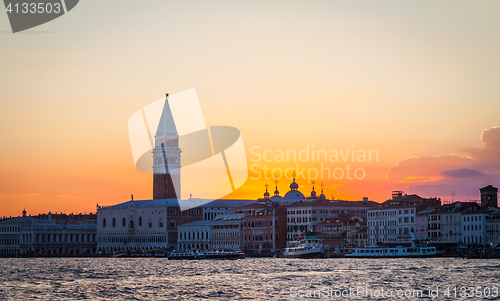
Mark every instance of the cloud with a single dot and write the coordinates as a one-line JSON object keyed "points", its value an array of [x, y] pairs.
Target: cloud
{"points": [[442, 175], [462, 173], [491, 137]]}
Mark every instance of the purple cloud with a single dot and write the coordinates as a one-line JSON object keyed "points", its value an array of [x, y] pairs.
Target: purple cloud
{"points": [[462, 173]]}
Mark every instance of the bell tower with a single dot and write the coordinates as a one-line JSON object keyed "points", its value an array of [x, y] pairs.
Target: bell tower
{"points": [[166, 158]]}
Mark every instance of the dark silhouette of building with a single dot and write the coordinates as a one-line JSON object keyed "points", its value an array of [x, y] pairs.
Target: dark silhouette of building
{"points": [[489, 196]]}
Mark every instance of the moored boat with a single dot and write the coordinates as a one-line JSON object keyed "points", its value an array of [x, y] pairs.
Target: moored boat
{"points": [[308, 246], [386, 252], [206, 254], [393, 252], [182, 255]]}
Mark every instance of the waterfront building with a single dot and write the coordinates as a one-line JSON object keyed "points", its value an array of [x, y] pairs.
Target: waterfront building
{"points": [[305, 214], [422, 224], [142, 225], [393, 220], [434, 222], [264, 226], [227, 232], [451, 220], [195, 236], [343, 232], [29, 236], [474, 225], [493, 229]]}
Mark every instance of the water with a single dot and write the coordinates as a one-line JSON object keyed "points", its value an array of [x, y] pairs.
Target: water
{"points": [[251, 278]]}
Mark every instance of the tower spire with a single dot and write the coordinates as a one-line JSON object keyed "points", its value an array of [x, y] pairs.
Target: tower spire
{"points": [[166, 125], [322, 196], [276, 192], [166, 156], [266, 194]]}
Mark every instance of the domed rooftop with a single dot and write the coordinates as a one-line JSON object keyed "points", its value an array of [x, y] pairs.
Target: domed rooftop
{"points": [[294, 194], [276, 198], [266, 194]]}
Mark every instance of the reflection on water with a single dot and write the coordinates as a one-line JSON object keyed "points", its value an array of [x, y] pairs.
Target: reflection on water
{"points": [[263, 278]]}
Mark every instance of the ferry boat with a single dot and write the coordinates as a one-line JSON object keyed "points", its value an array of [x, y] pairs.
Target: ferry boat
{"points": [[393, 252], [207, 255], [386, 252], [182, 255], [308, 246], [220, 255], [139, 253]]}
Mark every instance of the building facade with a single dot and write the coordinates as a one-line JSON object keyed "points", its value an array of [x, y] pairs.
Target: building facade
{"points": [[142, 225], [29, 236], [227, 232], [304, 215], [474, 226], [493, 229], [264, 226], [343, 232], [195, 236], [395, 219]]}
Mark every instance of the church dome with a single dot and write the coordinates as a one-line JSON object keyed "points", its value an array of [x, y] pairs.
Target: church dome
{"points": [[276, 198], [294, 185], [266, 194], [294, 194], [313, 193], [321, 196]]}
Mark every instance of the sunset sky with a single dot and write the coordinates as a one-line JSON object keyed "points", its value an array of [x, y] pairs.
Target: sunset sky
{"points": [[416, 81]]}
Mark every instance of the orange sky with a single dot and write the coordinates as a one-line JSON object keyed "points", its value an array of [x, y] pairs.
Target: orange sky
{"points": [[410, 80]]}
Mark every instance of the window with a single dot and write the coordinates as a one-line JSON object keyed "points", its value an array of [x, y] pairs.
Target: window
{"points": [[114, 222], [124, 222], [140, 221], [150, 223], [161, 223], [172, 224], [103, 224]]}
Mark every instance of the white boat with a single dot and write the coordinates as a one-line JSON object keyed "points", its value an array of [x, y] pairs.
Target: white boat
{"points": [[220, 255], [182, 255], [205, 254], [385, 252], [310, 246], [392, 252]]}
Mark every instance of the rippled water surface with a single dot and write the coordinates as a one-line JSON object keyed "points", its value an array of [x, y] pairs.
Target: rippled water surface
{"points": [[263, 278]]}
